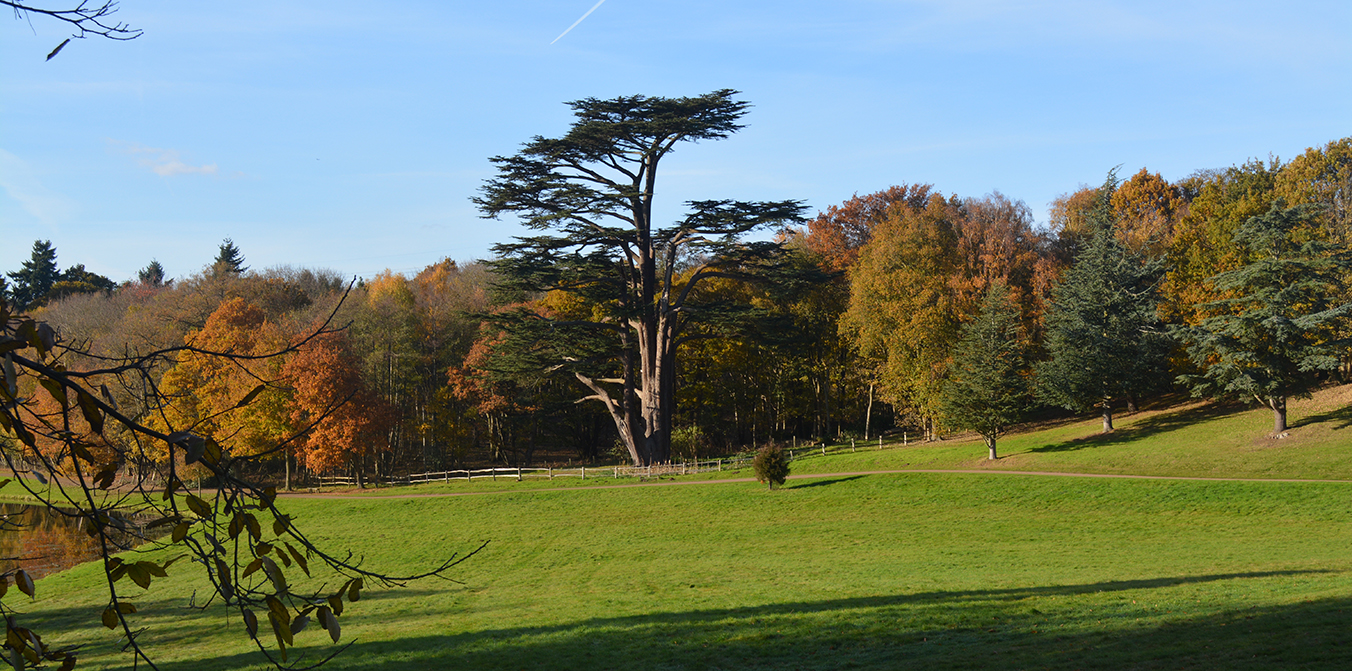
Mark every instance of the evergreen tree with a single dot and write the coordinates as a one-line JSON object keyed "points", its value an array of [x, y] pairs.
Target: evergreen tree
{"points": [[771, 465], [77, 280], [36, 277], [1103, 334], [1276, 335], [228, 259], [151, 275], [987, 390], [640, 282]]}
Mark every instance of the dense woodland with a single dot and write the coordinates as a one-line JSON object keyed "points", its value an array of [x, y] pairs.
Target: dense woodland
{"points": [[916, 302]]}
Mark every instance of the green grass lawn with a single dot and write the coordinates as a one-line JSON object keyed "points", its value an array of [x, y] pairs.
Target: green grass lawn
{"points": [[880, 571], [1194, 439]]}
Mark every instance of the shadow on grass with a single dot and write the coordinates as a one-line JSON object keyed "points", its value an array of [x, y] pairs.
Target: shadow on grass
{"points": [[1342, 418], [1148, 427], [824, 483], [1037, 627]]}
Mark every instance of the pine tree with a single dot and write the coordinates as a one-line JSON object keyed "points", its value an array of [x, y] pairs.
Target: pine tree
{"points": [[987, 390], [228, 259], [36, 277], [1277, 334], [1103, 334], [151, 275]]}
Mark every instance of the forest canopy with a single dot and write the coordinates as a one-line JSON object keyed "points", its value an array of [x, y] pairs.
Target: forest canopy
{"points": [[871, 341]]}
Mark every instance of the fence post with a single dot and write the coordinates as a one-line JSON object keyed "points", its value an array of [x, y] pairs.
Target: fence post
{"points": [[469, 475], [904, 440], [720, 465], [494, 471], [584, 472], [617, 473], [518, 473], [880, 441], [851, 444], [650, 470], [551, 472], [823, 448]]}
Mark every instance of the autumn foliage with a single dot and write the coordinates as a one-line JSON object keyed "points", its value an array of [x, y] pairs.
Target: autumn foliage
{"points": [[420, 375], [204, 390], [341, 419], [838, 233]]}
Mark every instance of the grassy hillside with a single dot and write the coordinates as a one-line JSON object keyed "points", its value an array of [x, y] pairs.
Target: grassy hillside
{"points": [[1190, 439], [878, 571]]}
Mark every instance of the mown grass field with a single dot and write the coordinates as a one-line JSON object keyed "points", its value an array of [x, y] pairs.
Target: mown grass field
{"points": [[915, 570], [1195, 439]]}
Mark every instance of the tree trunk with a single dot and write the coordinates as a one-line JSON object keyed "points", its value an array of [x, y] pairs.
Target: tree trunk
{"points": [[1107, 418], [286, 457], [868, 414], [1131, 403], [1278, 404], [990, 444], [817, 406]]}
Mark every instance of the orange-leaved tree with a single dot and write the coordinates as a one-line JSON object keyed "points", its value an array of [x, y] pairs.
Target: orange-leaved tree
{"points": [[342, 420], [203, 391], [838, 233]]}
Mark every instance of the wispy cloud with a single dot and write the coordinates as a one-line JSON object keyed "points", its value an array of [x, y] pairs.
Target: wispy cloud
{"points": [[18, 180], [584, 16], [163, 162]]}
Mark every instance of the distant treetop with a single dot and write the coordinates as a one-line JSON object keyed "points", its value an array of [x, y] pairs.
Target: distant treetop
{"points": [[228, 259]]}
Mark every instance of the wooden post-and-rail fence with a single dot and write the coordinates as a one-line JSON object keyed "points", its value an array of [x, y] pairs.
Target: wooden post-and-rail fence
{"points": [[519, 473]]}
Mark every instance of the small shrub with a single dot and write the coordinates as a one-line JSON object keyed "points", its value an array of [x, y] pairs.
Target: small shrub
{"points": [[771, 465]]}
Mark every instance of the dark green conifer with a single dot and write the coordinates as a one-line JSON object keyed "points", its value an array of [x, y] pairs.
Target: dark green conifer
{"points": [[228, 259], [34, 280], [1276, 335], [1104, 337], [152, 274], [987, 391]]}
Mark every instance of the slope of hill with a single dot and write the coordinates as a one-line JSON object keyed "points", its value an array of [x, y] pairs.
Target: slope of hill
{"points": [[915, 570]]}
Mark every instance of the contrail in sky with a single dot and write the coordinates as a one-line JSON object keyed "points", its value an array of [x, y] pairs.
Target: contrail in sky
{"points": [[584, 16]]}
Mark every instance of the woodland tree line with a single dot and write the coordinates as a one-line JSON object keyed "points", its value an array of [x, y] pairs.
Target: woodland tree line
{"points": [[906, 309]]}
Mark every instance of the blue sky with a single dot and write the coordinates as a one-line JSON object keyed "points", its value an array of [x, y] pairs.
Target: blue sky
{"points": [[351, 135]]}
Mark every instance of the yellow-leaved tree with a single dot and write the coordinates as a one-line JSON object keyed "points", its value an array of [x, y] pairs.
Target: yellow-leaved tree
{"points": [[202, 391]]}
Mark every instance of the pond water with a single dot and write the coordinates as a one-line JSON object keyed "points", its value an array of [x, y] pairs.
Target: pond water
{"points": [[42, 541]]}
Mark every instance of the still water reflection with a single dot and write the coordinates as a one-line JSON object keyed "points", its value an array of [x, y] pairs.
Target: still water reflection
{"points": [[44, 541]]}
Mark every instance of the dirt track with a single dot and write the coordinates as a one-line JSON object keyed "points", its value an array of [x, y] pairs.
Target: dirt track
{"points": [[808, 476]]}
